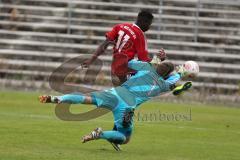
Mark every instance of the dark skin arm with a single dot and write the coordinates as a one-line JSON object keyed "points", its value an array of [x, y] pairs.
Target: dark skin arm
{"points": [[100, 50]]}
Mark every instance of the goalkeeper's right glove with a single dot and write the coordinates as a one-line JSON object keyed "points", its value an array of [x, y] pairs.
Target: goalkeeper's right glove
{"points": [[184, 87]]}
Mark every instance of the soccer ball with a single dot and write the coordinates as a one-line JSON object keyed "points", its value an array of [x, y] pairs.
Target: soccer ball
{"points": [[192, 68]]}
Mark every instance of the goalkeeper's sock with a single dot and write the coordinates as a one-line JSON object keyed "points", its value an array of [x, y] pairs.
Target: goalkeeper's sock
{"points": [[113, 137], [71, 98]]}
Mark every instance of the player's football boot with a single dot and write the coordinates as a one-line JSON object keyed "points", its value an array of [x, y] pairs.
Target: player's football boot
{"points": [[116, 146], [48, 99], [178, 90], [95, 134]]}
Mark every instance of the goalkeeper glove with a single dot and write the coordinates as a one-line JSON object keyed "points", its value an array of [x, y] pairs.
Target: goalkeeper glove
{"points": [[182, 70], [184, 87], [155, 60]]}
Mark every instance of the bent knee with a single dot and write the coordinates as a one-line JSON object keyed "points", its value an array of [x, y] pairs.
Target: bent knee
{"points": [[127, 140]]}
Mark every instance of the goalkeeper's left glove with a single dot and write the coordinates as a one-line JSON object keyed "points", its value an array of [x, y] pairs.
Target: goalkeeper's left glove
{"points": [[184, 87], [182, 70], [155, 60]]}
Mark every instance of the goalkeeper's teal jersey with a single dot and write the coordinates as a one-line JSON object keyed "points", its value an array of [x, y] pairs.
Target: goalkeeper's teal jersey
{"points": [[145, 84], [142, 86]]}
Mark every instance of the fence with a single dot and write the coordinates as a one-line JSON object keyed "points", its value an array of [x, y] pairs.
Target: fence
{"points": [[39, 35]]}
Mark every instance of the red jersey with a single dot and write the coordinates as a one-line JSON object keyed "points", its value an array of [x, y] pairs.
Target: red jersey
{"points": [[130, 40]]}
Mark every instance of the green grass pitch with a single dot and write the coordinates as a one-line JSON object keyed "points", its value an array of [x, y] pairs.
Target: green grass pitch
{"points": [[31, 131]]}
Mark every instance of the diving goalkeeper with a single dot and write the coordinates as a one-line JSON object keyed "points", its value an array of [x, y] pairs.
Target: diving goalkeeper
{"points": [[148, 82]]}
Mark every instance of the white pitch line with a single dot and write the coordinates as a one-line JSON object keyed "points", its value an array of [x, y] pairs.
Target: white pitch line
{"points": [[107, 121]]}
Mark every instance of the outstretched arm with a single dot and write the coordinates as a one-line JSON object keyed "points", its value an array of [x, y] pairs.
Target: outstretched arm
{"points": [[138, 65], [177, 90], [173, 79], [110, 39], [100, 50]]}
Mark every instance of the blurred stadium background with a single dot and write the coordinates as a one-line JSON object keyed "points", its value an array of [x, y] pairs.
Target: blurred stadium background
{"points": [[37, 36]]}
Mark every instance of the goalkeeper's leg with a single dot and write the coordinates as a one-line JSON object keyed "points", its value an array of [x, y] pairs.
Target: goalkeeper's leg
{"points": [[111, 136], [68, 98], [114, 137]]}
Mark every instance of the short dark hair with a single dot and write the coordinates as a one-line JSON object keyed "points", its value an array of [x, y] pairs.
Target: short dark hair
{"points": [[164, 69], [145, 15]]}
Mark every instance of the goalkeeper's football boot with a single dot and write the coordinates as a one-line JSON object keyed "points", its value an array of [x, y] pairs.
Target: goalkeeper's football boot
{"points": [[178, 90], [95, 134], [116, 146], [48, 99]]}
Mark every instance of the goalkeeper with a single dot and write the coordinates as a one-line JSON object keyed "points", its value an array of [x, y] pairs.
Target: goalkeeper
{"points": [[148, 82]]}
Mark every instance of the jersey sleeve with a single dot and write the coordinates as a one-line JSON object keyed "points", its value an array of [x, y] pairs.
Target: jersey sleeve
{"points": [[141, 49], [173, 79], [139, 65], [112, 35]]}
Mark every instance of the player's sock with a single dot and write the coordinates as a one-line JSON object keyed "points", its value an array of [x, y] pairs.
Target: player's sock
{"points": [[113, 136], [71, 98]]}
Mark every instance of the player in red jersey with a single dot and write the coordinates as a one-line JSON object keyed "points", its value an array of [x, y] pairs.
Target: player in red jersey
{"points": [[129, 41]]}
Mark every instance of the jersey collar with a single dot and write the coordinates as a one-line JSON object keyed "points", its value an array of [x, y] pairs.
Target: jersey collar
{"points": [[137, 27]]}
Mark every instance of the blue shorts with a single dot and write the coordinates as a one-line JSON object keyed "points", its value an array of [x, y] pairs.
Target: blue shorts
{"points": [[122, 107]]}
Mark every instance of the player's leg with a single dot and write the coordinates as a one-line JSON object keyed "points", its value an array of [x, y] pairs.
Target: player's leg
{"points": [[122, 130], [114, 137], [68, 98], [127, 132], [123, 124], [111, 136]]}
